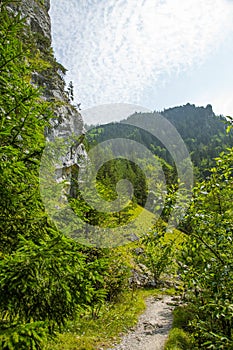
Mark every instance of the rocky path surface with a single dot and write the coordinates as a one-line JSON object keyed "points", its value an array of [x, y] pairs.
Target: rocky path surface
{"points": [[153, 326]]}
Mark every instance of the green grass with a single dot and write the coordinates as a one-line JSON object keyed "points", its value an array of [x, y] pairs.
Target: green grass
{"points": [[178, 340], [141, 218], [179, 337], [141, 221], [88, 333], [114, 319]]}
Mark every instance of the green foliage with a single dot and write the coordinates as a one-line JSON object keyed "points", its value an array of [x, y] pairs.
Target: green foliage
{"points": [[45, 279], [182, 316], [23, 117], [93, 333], [207, 257], [105, 188], [49, 281], [203, 133], [116, 169], [158, 251], [118, 272], [23, 336]]}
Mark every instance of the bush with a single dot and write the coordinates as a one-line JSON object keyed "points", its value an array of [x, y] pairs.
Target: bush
{"points": [[207, 258], [23, 336], [158, 253], [117, 273]]}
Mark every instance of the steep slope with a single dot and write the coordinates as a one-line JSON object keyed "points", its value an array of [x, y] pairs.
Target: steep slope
{"points": [[67, 120]]}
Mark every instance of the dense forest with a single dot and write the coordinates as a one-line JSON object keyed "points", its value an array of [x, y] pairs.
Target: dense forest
{"points": [[56, 293], [203, 132]]}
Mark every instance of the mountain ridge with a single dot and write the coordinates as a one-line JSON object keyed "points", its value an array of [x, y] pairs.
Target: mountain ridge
{"points": [[203, 132]]}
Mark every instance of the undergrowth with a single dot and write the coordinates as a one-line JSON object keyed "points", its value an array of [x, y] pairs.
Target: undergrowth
{"points": [[88, 333]]}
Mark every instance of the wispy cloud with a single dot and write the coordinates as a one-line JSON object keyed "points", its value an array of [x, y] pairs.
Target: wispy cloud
{"points": [[221, 101], [114, 49]]}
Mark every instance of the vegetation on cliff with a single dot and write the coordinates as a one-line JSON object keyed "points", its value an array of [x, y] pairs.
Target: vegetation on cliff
{"points": [[45, 278]]}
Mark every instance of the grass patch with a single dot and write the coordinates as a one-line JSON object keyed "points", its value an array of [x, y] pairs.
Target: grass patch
{"points": [[178, 340], [131, 215], [182, 316], [179, 337], [114, 320]]}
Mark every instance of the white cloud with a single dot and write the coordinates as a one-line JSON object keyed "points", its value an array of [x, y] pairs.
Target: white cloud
{"points": [[222, 102], [107, 113], [114, 49]]}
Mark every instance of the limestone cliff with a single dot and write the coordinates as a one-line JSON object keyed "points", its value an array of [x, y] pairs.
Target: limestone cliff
{"points": [[67, 119]]}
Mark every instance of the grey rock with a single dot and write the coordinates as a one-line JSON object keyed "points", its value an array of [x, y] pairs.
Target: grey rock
{"points": [[37, 16], [67, 119]]}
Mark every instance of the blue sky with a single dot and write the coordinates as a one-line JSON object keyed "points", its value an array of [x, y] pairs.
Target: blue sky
{"points": [[152, 53]]}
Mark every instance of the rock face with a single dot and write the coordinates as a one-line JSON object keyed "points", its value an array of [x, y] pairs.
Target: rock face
{"points": [[37, 15], [67, 119]]}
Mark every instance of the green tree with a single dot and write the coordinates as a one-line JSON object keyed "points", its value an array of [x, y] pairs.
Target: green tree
{"points": [[23, 117], [158, 251], [45, 279], [207, 257]]}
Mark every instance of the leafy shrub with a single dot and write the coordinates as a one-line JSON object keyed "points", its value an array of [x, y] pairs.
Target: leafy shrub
{"points": [[158, 253], [207, 258], [183, 315], [48, 282], [117, 273]]}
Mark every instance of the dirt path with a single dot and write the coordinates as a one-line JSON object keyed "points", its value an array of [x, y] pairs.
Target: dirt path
{"points": [[153, 326]]}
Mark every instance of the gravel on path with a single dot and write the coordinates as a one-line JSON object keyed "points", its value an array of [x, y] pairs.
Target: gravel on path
{"points": [[153, 326]]}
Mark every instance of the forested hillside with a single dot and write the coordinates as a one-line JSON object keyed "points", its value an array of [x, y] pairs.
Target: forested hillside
{"points": [[203, 132]]}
